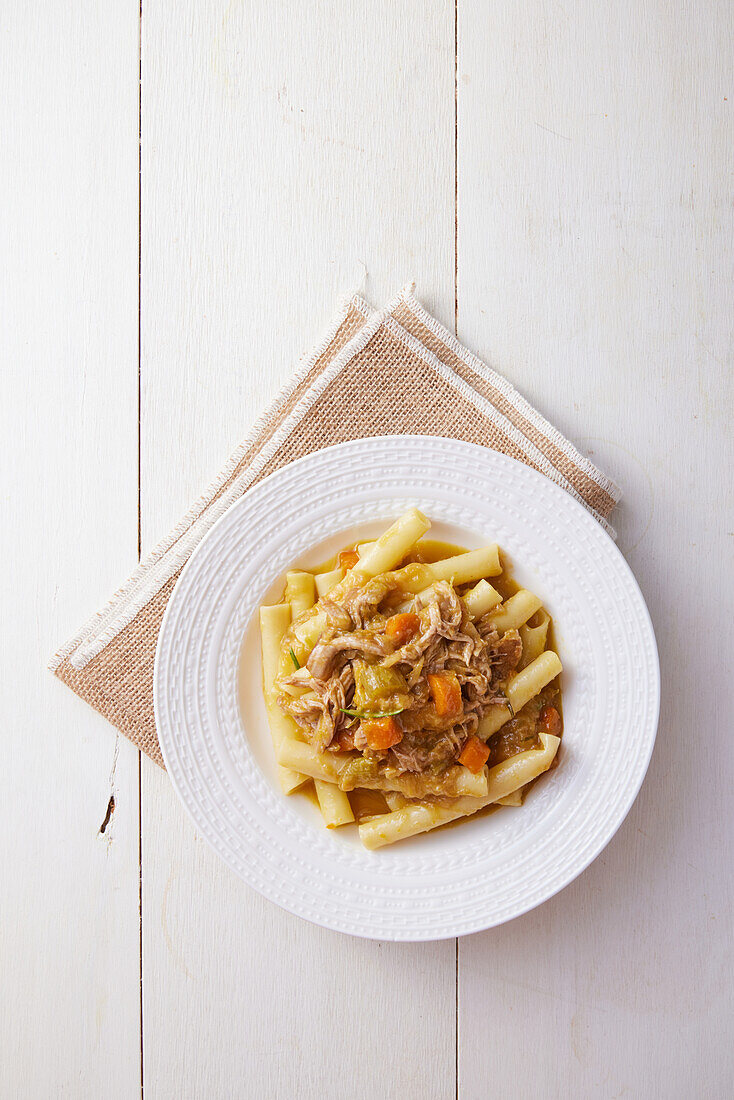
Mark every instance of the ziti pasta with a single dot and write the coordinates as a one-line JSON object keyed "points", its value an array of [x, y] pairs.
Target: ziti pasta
{"points": [[407, 686]]}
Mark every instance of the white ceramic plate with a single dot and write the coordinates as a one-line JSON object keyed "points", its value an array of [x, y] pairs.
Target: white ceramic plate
{"points": [[213, 729]]}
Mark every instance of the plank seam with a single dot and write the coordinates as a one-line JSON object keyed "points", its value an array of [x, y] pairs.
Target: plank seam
{"points": [[140, 527], [456, 333]]}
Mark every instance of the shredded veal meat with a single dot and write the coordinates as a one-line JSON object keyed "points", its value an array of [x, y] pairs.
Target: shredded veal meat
{"points": [[326, 655], [360, 603], [444, 643]]}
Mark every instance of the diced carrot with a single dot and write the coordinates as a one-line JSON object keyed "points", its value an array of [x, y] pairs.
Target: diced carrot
{"points": [[381, 733], [348, 559], [474, 755], [550, 721], [445, 691], [401, 628]]}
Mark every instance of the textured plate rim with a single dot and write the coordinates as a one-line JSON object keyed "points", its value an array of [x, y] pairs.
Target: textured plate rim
{"points": [[573, 508]]}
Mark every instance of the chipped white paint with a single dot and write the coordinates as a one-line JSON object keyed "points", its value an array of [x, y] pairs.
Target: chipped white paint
{"points": [[594, 253]]}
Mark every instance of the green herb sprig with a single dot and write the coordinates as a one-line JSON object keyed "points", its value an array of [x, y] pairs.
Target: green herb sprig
{"points": [[508, 704], [364, 714]]}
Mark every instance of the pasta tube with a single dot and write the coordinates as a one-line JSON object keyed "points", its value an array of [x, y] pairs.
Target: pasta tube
{"points": [[521, 689], [474, 565], [392, 546], [395, 800], [534, 637], [471, 566], [300, 591], [502, 780], [515, 611], [301, 757], [514, 799], [333, 803], [326, 581], [481, 599], [274, 622]]}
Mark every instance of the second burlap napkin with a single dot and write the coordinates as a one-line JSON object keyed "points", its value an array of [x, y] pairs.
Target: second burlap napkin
{"points": [[396, 371]]}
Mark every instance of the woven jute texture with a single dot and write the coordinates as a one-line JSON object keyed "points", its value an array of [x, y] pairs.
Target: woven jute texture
{"points": [[396, 371]]}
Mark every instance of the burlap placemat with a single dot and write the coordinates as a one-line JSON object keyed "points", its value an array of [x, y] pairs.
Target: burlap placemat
{"points": [[396, 371]]}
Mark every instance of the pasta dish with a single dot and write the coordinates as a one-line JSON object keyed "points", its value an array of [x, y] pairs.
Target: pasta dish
{"points": [[404, 689]]}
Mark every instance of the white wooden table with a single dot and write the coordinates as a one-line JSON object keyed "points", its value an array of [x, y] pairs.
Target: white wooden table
{"points": [[557, 178]]}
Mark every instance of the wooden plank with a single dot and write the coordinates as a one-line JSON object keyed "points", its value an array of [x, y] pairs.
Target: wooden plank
{"points": [[68, 344], [594, 237], [285, 151]]}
